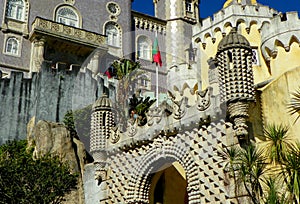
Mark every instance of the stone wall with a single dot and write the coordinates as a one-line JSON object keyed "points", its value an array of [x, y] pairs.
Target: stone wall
{"points": [[47, 95]]}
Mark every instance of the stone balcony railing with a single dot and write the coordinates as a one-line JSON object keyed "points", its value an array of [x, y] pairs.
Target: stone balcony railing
{"points": [[151, 23], [50, 28]]}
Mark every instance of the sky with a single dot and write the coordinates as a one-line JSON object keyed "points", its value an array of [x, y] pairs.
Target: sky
{"points": [[209, 7]]}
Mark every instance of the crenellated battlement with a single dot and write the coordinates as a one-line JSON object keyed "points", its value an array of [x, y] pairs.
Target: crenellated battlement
{"points": [[282, 30], [231, 16]]}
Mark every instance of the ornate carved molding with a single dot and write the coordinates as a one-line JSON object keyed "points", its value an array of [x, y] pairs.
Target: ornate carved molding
{"points": [[238, 113], [58, 30]]}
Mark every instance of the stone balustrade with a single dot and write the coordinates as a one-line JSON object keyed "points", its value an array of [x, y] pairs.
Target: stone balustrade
{"points": [[55, 29]]}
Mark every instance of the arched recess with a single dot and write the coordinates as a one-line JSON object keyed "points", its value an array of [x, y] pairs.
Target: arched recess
{"points": [[152, 162], [169, 185], [143, 47], [293, 39], [113, 31]]}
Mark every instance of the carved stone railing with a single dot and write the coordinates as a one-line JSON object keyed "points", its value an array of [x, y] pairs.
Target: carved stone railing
{"points": [[149, 23], [47, 27]]}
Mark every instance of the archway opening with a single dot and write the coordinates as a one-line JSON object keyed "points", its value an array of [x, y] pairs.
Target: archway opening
{"points": [[169, 185]]}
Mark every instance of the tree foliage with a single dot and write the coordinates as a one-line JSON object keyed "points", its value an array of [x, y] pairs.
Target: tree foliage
{"points": [[138, 107], [294, 106], [36, 181], [268, 174]]}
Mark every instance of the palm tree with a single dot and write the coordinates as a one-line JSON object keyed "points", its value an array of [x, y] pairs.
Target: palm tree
{"points": [[277, 143], [251, 170], [232, 157], [127, 72], [291, 173], [247, 166]]}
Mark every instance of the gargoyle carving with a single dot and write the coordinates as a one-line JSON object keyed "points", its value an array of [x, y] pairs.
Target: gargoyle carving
{"points": [[179, 106], [115, 134], [203, 99], [132, 129], [154, 115]]}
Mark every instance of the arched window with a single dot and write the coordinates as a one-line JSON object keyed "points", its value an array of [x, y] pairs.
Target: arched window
{"points": [[113, 34], [67, 16], [188, 5], [15, 9], [144, 48], [12, 46]]}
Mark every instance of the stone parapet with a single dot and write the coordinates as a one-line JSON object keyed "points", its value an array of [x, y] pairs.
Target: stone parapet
{"points": [[232, 15], [186, 113], [279, 31], [146, 22]]}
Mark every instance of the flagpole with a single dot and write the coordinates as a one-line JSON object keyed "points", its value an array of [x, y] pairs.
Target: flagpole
{"points": [[156, 85], [156, 77]]}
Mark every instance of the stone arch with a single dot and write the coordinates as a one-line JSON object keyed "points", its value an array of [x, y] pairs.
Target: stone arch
{"points": [[293, 39], [140, 181], [217, 29]]}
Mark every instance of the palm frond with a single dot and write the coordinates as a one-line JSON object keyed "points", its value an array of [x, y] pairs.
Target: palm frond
{"points": [[231, 155], [274, 195], [294, 105], [277, 142]]}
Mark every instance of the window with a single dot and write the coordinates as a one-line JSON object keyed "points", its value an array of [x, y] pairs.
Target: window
{"points": [[144, 48], [67, 16], [144, 81], [12, 46], [255, 60], [229, 60], [192, 54], [15, 9], [188, 5], [112, 33]]}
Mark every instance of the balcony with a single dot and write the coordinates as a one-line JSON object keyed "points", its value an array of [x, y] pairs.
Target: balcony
{"points": [[63, 37]]}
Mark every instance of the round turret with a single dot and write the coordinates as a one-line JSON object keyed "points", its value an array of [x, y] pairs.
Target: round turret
{"points": [[234, 59], [233, 40], [102, 120], [103, 103], [242, 2]]}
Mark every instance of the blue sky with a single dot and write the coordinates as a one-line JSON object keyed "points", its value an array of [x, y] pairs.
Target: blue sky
{"points": [[208, 7]]}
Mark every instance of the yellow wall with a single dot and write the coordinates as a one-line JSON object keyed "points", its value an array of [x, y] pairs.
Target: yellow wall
{"points": [[275, 98], [285, 60], [175, 185]]}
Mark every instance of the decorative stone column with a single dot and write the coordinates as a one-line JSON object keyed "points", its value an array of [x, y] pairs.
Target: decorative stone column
{"points": [[98, 54], [38, 54], [234, 60]]}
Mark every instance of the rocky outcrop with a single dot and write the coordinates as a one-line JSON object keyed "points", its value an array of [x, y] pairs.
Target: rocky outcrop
{"points": [[54, 138]]}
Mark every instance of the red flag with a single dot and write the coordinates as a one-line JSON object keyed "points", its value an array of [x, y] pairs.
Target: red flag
{"points": [[156, 53], [107, 73]]}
